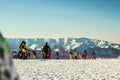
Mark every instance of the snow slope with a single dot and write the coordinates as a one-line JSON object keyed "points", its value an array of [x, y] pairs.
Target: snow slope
{"points": [[106, 69]]}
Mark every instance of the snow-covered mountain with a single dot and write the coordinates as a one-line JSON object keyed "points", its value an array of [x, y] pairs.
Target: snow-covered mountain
{"points": [[102, 48]]}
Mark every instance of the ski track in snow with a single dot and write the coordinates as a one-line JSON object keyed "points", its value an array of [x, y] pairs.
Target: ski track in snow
{"points": [[106, 69]]}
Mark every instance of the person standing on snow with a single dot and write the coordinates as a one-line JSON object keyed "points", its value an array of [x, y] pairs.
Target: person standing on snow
{"points": [[76, 54], [84, 54], [43, 54], [34, 55], [57, 55], [70, 54], [49, 53], [46, 48], [23, 50], [93, 56]]}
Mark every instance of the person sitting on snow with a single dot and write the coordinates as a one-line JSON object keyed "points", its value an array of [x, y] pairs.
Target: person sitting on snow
{"points": [[29, 54], [14, 55]]}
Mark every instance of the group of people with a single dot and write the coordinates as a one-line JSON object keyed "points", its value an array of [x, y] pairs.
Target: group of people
{"points": [[24, 52], [46, 52], [76, 55]]}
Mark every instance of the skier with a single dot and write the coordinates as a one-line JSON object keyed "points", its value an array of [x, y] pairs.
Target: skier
{"points": [[76, 54], [84, 54], [93, 56], [45, 48], [70, 54], [49, 53], [7, 69]]}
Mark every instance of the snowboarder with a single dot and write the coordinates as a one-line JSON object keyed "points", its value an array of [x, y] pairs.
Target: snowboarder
{"points": [[49, 53], [45, 48], [70, 54], [7, 69], [76, 53], [93, 56], [84, 54]]}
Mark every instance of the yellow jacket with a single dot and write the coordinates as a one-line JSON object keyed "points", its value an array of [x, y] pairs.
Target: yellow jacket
{"points": [[76, 53]]}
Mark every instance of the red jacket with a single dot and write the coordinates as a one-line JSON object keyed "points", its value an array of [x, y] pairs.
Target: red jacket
{"points": [[34, 53], [49, 52], [71, 52], [94, 57], [83, 56]]}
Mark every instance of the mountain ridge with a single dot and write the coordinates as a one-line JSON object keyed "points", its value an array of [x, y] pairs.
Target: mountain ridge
{"points": [[102, 48]]}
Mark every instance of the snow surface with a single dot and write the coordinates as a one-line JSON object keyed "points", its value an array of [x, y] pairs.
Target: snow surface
{"points": [[100, 69]]}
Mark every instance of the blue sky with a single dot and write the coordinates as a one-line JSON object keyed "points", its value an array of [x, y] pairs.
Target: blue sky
{"points": [[98, 19]]}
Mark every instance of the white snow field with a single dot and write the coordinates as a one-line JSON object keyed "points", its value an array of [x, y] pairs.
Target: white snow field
{"points": [[101, 69]]}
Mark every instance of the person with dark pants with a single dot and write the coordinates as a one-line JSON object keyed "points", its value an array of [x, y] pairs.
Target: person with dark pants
{"points": [[46, 48], [57, 55], [43, 54], [93, 56], [76, 53], [23, 50]]}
